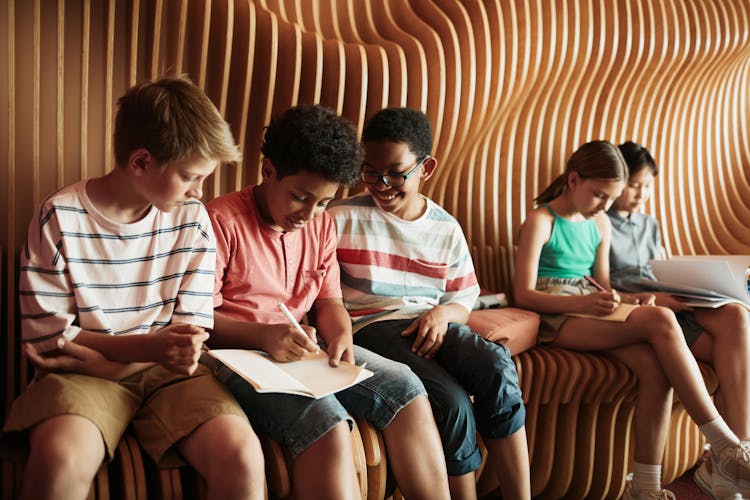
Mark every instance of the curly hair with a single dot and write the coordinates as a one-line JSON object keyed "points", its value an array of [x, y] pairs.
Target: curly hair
{"points": [[637, 157], [172, 118], [403, 125], [313, 138]]}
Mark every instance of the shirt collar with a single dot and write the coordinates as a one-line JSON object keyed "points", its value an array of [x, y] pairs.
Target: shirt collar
{"points": [[618, 220]]}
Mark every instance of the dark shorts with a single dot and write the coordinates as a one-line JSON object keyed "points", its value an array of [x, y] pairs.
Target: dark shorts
{"points": [[465, 365]]}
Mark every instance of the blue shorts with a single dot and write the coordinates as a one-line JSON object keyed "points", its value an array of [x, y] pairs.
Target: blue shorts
{"points": [[466, 364], [296, 422]]}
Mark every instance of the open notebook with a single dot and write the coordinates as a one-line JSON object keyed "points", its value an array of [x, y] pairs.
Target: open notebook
{"points": [[310, 376], [704, 281]]}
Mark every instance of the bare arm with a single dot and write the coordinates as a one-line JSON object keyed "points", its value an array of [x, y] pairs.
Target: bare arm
{"points": [[176, 347], [75, 358], [333, 324]]}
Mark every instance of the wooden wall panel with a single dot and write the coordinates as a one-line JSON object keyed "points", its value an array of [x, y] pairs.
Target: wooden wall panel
{"points": [[511, 87]]}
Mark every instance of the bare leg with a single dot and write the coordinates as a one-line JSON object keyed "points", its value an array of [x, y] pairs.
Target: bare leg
{"points": [[511, 461], [658, 327], [233, 470], [463, 487], [66, 452], [726, 346], [326, 468], [653, 404], [416, 453]]}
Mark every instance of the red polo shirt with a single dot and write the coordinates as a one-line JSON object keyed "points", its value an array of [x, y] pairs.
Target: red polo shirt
{"points": [[257, 266]]}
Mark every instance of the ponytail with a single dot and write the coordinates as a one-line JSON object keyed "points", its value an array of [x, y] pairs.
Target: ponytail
{"points": [[553, 190]]}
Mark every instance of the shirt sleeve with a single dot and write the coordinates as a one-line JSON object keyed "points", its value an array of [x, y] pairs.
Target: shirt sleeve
{"points": [[195, 295], [461, 286], [46, 298]]}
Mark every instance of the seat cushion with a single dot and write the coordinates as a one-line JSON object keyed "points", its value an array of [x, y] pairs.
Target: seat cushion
{"points": [[514, 328]]}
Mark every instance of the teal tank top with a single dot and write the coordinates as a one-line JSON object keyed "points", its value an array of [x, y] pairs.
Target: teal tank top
{"points": [[571, 249]]}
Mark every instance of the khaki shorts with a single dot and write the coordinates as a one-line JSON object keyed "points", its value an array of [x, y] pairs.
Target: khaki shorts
{"points": [[163, 406], [550, 324]]}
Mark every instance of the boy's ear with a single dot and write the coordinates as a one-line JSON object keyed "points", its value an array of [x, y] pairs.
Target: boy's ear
{"points": [[428, 168], [139, 160], [267, 169]]}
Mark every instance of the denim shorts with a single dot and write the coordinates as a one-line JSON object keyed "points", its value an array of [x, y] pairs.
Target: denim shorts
{"points": [[465, 365], [296, 422]]}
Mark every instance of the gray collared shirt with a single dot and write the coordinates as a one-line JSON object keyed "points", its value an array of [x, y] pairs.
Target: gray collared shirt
{"points": [[635, 241]]}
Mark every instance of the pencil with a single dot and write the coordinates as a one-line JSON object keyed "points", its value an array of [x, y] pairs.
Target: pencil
{"points": [[594, 282], [288, 314]]}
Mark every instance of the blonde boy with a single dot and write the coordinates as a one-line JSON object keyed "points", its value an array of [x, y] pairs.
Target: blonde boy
{"points": [[122, 267]]}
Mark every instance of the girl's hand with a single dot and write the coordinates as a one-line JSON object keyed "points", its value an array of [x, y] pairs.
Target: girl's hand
{"points": [[670, 301], [644, 299], [600, 303]]}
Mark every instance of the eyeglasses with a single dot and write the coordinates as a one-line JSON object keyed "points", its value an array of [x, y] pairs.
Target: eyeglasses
{"points": [[391, 178]]}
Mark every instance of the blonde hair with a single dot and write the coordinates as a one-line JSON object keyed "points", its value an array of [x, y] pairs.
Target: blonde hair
{"points": [[593, 160], [173, 119]]}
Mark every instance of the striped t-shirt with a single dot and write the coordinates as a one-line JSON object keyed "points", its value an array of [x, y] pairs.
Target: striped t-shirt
{"points": [[80, 270], [394, 268]]}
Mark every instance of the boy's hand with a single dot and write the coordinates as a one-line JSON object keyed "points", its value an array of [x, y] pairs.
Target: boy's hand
{"points": [[75, 358], [177, 347], [600, 303], [341, 349], [430, 330], [670, 301], [283, 342]]}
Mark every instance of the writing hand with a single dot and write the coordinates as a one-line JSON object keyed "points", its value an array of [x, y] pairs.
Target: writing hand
{"points": [[601, 303], [283, 342]]}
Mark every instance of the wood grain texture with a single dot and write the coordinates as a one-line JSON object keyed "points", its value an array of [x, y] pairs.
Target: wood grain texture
{"points": [[511, 88]]}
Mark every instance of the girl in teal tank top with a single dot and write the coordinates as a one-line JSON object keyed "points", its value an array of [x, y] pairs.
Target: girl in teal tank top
{"points": [[557, 248]]}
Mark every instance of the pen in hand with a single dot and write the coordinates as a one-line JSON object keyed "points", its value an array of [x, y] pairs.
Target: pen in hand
{"points": [[615, 295], [288, 314]]}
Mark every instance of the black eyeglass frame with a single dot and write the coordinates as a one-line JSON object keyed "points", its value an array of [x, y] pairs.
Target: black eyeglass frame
{"points": [[384, 178]]}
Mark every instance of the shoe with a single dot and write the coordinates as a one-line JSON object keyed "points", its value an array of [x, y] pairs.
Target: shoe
{"points": [[703, 477], [633, 492]]}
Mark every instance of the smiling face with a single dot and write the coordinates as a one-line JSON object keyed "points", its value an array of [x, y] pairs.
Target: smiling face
{"points": [[180, 180], [386, 157], [637, 192], [592, 196], [287, 204]]}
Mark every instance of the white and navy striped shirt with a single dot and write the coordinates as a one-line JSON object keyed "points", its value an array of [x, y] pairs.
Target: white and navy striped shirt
{"points": [[393, 268], [80, 270]]}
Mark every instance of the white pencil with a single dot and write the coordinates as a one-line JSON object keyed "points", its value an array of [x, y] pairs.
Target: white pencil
{"points": [[285, 310]]}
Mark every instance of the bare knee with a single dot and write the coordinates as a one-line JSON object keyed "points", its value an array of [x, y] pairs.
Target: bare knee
{"points": [[658, 324], [65, 453]]}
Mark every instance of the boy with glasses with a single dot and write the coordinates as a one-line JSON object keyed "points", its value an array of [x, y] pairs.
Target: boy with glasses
{"points": [[409, 285]]}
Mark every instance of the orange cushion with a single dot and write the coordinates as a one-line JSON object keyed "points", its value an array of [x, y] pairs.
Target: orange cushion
{"points": [[514, 328]]}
